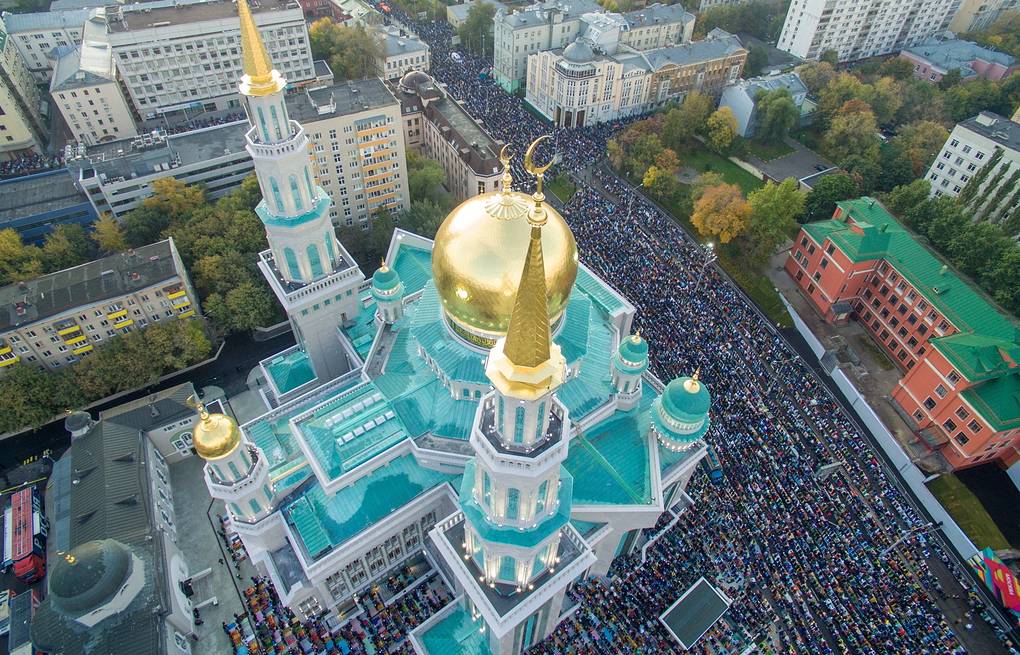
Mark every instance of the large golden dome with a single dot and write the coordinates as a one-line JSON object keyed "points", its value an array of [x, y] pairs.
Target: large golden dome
{"points": [[479, 255], [214, 436]]}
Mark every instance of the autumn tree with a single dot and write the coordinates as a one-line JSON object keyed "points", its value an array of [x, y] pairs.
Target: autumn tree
{"points": [[816, 75], [18, 261], [352, 52], [108, 235], [661, 183], [721, 212], [721, 129], [837, 92], [774, 212], [919, 143], [682, 122], [849, 134]]}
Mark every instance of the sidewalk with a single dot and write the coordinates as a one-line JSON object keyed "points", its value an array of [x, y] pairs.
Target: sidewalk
{"points": [[874, 374]]}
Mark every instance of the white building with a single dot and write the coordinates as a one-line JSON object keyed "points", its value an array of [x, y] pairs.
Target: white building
{"points": [[86, 91], [36, 35], [976, 15], [858, 29], [556, 23], [581, 85], [401, 52], [984, 152], [21, 123], [185, 54], [742, 98]]}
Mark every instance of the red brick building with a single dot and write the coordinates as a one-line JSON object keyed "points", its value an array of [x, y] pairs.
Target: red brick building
{"points": [[959, 353]]}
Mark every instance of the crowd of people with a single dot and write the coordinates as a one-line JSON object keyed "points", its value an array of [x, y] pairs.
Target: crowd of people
{"points": [[29, 164]]}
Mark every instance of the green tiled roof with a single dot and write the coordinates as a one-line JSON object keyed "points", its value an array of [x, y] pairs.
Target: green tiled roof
{"points": [[456, 634], [998, 400], [385, 279], [323, 522], [978, 357], [414, 266], [362, 331], [610, 462], [585, 528], [607, 300], [454, 358], [291, 371]]}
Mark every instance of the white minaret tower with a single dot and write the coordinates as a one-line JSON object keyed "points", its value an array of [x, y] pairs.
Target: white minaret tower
{"points": [[388, 292], [629, 362], [314, 278]]}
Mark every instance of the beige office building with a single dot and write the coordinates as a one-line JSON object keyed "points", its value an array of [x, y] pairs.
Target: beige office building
{"points": [[21, 128], [56, 319], [358, 147]]}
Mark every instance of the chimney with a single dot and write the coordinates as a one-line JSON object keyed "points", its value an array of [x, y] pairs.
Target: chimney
{"points": [[78, 424]]}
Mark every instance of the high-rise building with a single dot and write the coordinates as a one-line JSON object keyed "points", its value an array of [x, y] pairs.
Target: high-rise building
{"points": [[974, 15], [858, 29], [554, 24], [313, 277], [21, 127]]}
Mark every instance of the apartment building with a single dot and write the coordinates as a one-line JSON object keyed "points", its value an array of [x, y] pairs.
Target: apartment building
{"points": [[982, 151], [858, 29], [54, 320], [21, 127], [401, 52], [358, 147], [37, 35], [86, 91], [580, 85], [958, 352], [974, 15], [937, 56], [175, 55], [117, 176], [554, 24]]}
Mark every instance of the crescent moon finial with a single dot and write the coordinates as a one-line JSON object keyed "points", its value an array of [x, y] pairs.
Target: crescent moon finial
{"points": [[505, 155], [529, 163]]}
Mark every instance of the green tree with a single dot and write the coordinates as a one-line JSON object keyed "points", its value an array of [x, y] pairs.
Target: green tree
{"points": [[777, 114], [865, 171], [920, 102], [682, 122], [829, 57], [816, 75], [851, 134], [904, 197], [820, 203], [757, 59], [978, 247], [721, 212], [661, 183], [1003, 34], [643, 153], [66, 245], [352, 52], [425, 179], [18, 262], [965, 100], [1003, 280], [840, 90], [108, 235], [32, 397], [774, 212], [721, 128], [950, 79], [242, 308], [897, 68], [476, 31], [920, 142], [423, 217], [884, 97]]}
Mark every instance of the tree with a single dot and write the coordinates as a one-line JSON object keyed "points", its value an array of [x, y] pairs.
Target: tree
{"points": [[820, 203], [921, 102], [423, 217], [851, 134], [1003, 280], [721, 212], [757, 58], [721, 129], [919, 143], [108, 235], [18, 262], [816, 75], [682, 122], [704, 182], [777, 114], [66, 245], [425, 179], [978, 247], [352, 52], [865, 171], [906, 196], [884, 97], [32, 397], [1003, 34], [661, 183], [667, 161], [774, 212], [242, 308], [950, 79], [837, 92], [897, 68], [476, 31], [829, 57], [643, 153]]}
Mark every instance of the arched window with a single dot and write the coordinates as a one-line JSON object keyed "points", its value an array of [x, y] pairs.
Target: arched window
{"points": [[276, 123], [519, 425], [277, 196], [295, 192], [507, 569], [541, 417], [513, 504], [292, 265], [233, 470], [330, 248], [540, 501], [314, 261], [308, 183], [262, 124]]}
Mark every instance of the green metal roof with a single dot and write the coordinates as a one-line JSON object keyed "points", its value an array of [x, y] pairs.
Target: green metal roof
{"points": [[290, 371], [323, 522], [998, 401], [607, 300], [414, 266], [585, 528], [976, 356], [362, 331], [457, 634], [683, 405], [385, 279]]}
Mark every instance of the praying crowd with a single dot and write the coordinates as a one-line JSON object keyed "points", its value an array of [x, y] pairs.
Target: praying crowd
{"points": [[29, 164]]}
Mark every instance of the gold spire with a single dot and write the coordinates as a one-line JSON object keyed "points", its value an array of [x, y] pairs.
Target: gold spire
{"points": [[537, 216], [636, 337], [692, 385], [382, 265], [259, 77]]}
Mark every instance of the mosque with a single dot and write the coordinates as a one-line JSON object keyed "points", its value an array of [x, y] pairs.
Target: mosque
{"points": [[478, 406]]}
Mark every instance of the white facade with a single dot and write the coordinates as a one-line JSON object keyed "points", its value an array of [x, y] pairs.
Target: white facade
{"points": [[857, 29], [976, 15], [21, 129], [401, 52], [173, 56], [36, 35]]}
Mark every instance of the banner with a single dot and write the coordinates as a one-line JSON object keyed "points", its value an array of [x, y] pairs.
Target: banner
{"points": [[998, 578]]}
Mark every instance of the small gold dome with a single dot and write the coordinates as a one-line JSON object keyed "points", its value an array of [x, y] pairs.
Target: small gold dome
{"points": [[215, 436], [478, 258]]}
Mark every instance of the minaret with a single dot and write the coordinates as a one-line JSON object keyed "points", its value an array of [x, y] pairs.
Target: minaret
{"points": [[303, 248], [236, 471], [388, 292], [515, 494], [680, 415], [629, 362]]}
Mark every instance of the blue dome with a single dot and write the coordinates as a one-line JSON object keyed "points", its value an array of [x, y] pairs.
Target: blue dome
{"points": [[634, 350], [385, 278], [680, 414]]}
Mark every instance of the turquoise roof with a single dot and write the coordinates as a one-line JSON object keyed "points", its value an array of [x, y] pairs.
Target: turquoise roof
{"points": [[683, 405], [385, 279], [457, 634], [414, 265], [634, 349], [361, 331], [290, 371], [323, 522], [585, 528]]}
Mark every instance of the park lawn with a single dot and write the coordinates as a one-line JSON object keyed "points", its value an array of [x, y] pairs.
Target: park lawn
{"points": [[767, 151], [968, 512], [755, 284], [562, 187], [706, 161]]}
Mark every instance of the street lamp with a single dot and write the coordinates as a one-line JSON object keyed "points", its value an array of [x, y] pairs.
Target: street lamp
{"points": [[710, 256]]}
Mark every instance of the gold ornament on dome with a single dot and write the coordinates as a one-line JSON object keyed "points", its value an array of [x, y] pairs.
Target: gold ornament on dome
{"points": [[214, 436], [479, 254]]}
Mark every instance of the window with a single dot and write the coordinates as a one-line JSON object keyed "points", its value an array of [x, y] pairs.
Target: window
{"points": [[962, 439], [940, 391], [962, 413], [974, 426], [953, 377], [513, 504], [949, 425], [929, 403]]}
